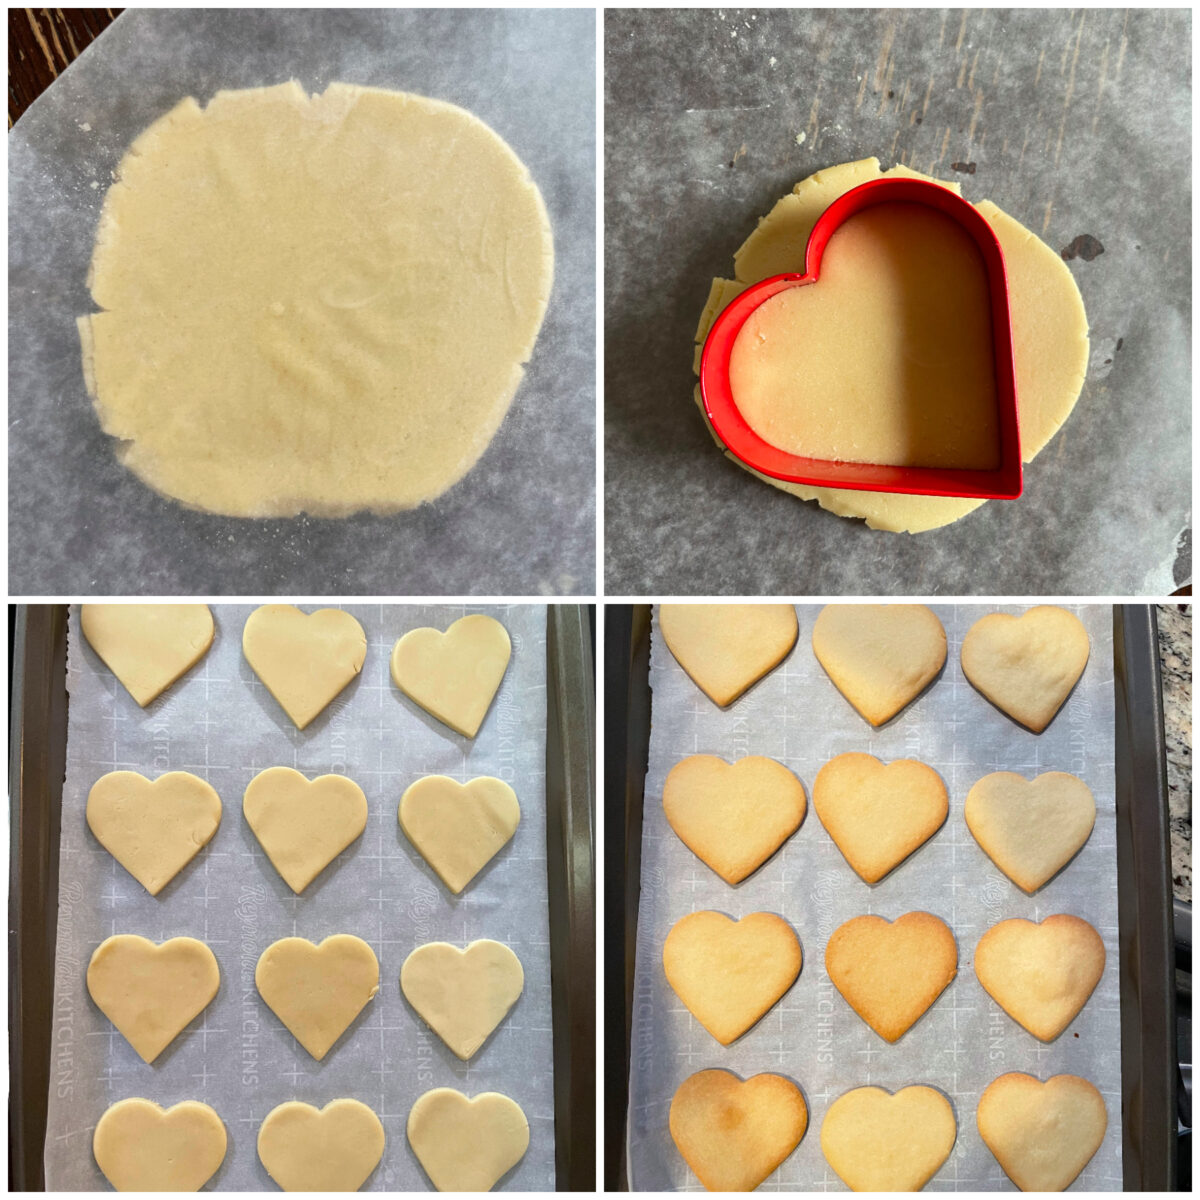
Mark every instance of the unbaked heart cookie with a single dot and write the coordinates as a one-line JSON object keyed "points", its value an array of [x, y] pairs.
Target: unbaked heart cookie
{"points": [[153, 829], [141, 1147], [733, 1133], [333, 1149], [733, 816], [1041, 974], [879, 814], [459, 827], [464, 1144], [317, 990], [148, 646], [1042, 1134], [879, 1142], [454, 675], [1030, 829], [305, 659], [151, 992], [1027, 665], [881, 657], [727, 647], [890, 973], [303, 826], [730, 973], [462, 994]]}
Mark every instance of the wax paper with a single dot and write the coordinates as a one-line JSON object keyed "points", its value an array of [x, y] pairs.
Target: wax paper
{"points": [[812, 1036], [220, 723], [521, 523]]}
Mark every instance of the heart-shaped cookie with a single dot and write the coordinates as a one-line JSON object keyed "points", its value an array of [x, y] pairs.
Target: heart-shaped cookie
{"points": [[153, 829], [459, 827], [305, 659], [733, 816], [1026, 665], [151, 992], [730, 973], [890, 973], [727, 647], [879, 1142], [1042, 1134], [734, 1133], [881, 657], [462, 994], [141, 1147], [454, 675], [467, 1145], [148, 646], [878, 815], [333, 1149], [317, 990], [303, 826], [1030, 829], [1041, 974]]}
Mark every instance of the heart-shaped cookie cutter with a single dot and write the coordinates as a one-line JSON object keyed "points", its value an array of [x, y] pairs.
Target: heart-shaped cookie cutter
{"points": [[1001, 483]]}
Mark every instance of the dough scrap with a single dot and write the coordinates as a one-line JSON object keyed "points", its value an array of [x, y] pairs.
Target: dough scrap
{"points": [[303, 826], [1049, 327], [153, 828], [464, 1144], [333, 1149], [148, 646], [142, 1147], [313, 304]]}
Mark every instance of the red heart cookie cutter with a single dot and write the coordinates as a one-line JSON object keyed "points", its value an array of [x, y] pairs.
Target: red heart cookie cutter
{"points": [[1001, 483]]}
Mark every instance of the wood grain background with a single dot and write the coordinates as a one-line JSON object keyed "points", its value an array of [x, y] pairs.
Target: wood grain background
{"points": [[42, 42]]}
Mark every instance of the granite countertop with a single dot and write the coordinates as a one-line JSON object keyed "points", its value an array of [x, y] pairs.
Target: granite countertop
{"points": [[1175, 655]]}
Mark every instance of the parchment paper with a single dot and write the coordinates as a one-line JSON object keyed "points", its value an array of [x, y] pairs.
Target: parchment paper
{"points": [[812, 1036], [220, 723], [520, 524]]}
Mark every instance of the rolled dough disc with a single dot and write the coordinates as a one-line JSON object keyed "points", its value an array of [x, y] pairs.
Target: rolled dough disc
{"points": [[313, 304]]}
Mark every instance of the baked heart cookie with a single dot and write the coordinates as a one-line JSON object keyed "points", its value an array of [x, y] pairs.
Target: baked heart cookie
{"points": [[733, 816], [465, 1144], [153, 829], [727, 647], [1041, 974], [455, 675], [141, 1147], [881, 657], [305, 659], [333, 1149], [148, 646], [1042, 1134], [730, 973], [879, 814], [151, 992], [890, 973], [1030, 829], [1027, 665], [317, 990], [733, 1133], [301, 825], [879, 1142]]}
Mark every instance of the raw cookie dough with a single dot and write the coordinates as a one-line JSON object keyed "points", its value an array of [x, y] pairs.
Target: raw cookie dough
{"points": [[454, 675], [313, 304], [142, 1147], [317, 990], [153, 829], [1049, 327], [305, 659], [464, 1144], [462, 994], [459, 827], [151, 992], [333, 1149], [148, 646], [303, 826]]}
